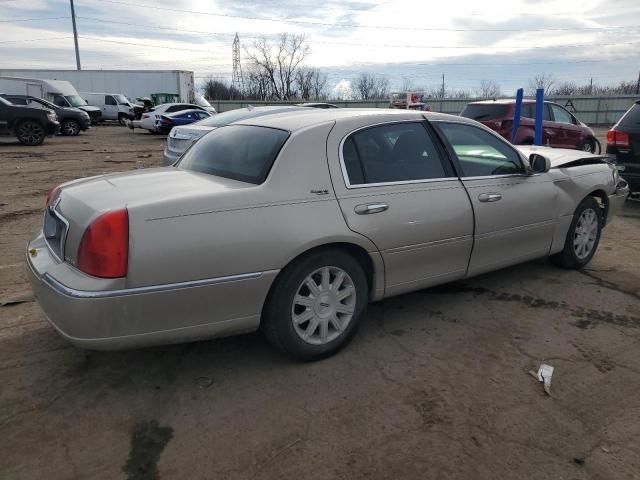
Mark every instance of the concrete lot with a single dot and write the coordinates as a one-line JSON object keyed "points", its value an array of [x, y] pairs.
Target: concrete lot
{"points": [[435, 384]]}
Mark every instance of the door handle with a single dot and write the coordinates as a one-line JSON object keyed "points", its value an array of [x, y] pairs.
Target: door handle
{"points": [[489, 197], [370, 208]]}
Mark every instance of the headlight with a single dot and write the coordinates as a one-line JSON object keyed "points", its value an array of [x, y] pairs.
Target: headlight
{"points": [[52, 117]]}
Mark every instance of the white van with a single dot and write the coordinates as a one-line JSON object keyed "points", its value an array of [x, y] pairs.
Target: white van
{"points": [[114, 106], [59, 92]]}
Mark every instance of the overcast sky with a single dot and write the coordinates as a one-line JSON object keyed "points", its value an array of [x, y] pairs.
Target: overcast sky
{"points": [[466, 40]]}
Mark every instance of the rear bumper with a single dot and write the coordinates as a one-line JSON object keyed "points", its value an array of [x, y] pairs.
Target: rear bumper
{"points": [[133, 317]]}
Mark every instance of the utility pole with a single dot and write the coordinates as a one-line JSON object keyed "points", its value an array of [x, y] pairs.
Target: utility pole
{"points": [[591, 86], [638, 85], [442, 94], [75, 35]]}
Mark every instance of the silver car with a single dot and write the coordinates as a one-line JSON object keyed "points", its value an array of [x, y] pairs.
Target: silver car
{"points": [[292, 223]]}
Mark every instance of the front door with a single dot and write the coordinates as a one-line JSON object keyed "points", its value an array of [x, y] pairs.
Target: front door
{"points": [[110, 108], [395, 185], [571, 134], [514, 211]]}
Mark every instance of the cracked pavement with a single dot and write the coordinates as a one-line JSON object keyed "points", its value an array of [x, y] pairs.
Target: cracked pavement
{"points": [[434, 385]]}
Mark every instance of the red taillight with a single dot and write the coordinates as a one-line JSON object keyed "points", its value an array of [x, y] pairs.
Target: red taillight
{"points": [[617, 139], [145, 115], [166, 122], [51, 196], [104, 248]]}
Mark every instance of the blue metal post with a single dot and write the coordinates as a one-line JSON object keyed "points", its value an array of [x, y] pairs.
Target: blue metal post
{"points": [[516, 115], [539, 116]]}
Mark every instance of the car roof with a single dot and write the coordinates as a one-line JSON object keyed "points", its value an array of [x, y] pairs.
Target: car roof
{"points": [[182, 112], [307, 117]]}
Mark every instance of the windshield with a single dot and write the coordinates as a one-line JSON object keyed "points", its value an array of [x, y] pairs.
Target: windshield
{"points": [[75, 100], [201, 101], [121, 99], [240, 152], [483, 111]]}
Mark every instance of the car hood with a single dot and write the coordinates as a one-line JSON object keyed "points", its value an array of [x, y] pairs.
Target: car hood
{"points": [[563, 157], [89, 108]]}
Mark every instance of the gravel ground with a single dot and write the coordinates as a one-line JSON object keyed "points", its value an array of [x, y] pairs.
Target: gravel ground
{"points": [[435, 384]]}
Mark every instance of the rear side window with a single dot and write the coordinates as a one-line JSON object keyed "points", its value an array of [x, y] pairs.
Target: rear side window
{"points": [[240, 152], [481, 153], [631, 119], [396, 152], [484, 111]]}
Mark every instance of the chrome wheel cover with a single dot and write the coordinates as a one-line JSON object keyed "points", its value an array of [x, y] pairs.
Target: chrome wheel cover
{"points": [[585, 233], [323, 305], [587, 147]]}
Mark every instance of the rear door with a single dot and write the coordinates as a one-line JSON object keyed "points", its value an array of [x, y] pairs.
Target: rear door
{"points": [[514, 212], [395, 185]]}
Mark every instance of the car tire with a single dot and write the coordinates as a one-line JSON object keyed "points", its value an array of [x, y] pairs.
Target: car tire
{"points": [[30, 133], [70, 128], [583, 236], [309, 323], [588, 146], [123, 119]]}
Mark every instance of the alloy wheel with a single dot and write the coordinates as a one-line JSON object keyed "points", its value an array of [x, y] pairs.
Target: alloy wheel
{"points": [[323, 305], [30, 133], [585, 233], [70, 128]]}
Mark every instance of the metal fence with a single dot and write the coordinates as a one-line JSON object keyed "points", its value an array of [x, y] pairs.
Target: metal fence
{"points": [[597, 111]]}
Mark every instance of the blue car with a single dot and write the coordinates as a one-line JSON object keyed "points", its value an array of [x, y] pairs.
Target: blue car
{"points": [[183, 117]]}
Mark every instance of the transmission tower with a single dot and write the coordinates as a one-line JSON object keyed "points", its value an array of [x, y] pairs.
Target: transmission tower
{"points": [[236, 78]]}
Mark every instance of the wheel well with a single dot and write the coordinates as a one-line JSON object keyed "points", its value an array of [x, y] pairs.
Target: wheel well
{"points": [[603, 201]]}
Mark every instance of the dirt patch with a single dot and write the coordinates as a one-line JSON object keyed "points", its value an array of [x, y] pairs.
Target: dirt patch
{"points": [[148, 439]]}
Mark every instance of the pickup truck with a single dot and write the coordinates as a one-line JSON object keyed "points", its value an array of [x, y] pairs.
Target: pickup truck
{"points": [[28, 124]]}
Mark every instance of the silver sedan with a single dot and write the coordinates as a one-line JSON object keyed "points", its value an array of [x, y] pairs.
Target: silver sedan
{"points": [[292, 223]]}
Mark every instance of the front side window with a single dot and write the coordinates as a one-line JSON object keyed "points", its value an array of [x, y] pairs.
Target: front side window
{"points": [[240, 152], [397, 152], [561, 115], [60, 101], [481, 153], [109, 100]]}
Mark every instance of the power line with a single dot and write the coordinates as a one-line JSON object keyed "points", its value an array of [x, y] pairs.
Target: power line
{"points": [[33, 39], [353, 25], [142, 44], [31, 19]]}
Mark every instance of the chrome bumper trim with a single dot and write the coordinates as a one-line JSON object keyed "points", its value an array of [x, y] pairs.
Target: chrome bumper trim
{"points": [[75, 293]]}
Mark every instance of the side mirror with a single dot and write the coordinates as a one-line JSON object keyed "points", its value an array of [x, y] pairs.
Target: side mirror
{"points": [[539, 163]]}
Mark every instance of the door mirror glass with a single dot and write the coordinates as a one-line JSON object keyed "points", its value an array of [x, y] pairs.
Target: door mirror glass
{"points": [[539, 163]]}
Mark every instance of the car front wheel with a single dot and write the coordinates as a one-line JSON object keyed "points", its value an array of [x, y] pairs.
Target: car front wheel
{"points": [[316, 304], [70, 128], [30, 133], [583, 236]]}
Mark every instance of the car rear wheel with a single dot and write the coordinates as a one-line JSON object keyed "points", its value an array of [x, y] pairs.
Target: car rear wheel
{"points": [[583, 236], [316, 304], [30, 133], [70, 127]]}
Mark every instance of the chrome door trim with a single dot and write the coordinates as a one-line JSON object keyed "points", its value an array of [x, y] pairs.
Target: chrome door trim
{"points": [[63, 240], [87, 294], [343, 168]]}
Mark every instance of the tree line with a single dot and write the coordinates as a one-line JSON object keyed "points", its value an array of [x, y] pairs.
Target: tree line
{"points": [[277, 70]]}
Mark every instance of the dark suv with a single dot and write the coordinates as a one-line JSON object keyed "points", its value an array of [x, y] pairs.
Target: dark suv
{"points": [[28, 124], [561, 129], [72, 120], [623, 142]]}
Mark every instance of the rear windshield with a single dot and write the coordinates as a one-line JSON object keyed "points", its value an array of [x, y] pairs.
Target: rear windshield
{"points": [[481, 111], [631, 119], [240, 152]]}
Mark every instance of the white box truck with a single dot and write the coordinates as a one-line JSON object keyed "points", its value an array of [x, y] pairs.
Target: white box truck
{"points": [[131, 83], [59, 92]]}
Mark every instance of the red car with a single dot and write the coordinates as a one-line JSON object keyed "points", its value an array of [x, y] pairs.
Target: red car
{"points": [[560, 128]]}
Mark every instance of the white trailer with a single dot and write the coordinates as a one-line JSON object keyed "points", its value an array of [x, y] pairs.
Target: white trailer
{"points": [[130, 83]]}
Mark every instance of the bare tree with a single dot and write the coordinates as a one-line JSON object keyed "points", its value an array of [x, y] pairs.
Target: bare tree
{"points": [[546, 81], [566, 89], [278, 62], [310, 83], [370, 87], [406, 85], [217, 90], [489, 89]]}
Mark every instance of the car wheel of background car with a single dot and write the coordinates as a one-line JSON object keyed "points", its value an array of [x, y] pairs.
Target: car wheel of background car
{"points": [[70, 127], [588, 146], [583, 236], [316, 304], [30, 133], [123, 119]]}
